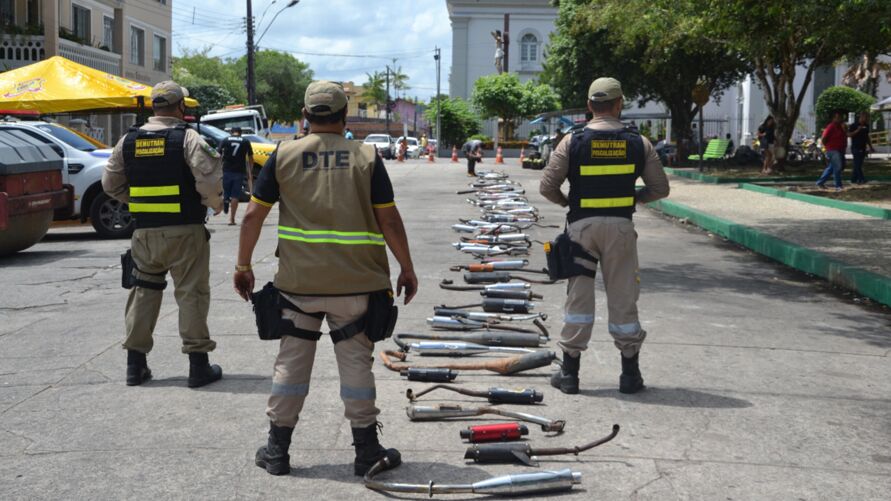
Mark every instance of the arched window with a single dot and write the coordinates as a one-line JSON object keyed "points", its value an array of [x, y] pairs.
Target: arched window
{"points": [[529, 48]]}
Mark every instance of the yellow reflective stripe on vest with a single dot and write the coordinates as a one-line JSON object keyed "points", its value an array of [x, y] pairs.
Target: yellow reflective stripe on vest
{"points": [[154, 191], [147, 207], [606, 203], [331, 236], [606, 170]]}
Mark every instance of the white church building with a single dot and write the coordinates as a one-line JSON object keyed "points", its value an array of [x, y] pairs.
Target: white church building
{"points": [[739, 111]]}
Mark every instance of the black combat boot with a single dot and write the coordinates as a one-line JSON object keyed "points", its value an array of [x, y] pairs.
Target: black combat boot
{"points": [[567, 378], [369, 451], [630, 381], [274, 457], [138, 371], [201, 372]]}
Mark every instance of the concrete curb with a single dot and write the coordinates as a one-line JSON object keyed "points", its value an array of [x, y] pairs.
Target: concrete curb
{"points": [[867, 283], [706, 178], [866, 210]]}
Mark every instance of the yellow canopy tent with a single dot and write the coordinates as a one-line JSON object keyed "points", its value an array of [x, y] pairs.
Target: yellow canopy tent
{"points": [[58, 85]]}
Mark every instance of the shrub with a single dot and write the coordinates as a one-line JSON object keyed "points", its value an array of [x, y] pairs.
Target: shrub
{"points": [[841, 98]]}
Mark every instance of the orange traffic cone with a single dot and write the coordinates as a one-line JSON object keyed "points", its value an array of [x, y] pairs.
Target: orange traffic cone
{"points": [[522, 154], [499, 158], [454, 154], [430, 158]]}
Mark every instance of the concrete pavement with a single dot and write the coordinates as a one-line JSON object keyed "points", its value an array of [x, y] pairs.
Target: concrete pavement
{"points": [[762, 383]]}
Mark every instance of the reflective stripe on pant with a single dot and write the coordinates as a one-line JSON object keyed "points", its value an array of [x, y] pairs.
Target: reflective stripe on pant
{"points": [[185, 252], [293, 365], [614, 242]]}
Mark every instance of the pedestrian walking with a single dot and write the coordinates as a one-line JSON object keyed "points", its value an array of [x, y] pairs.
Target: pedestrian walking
{"points": [[473, 152], [348, 134], [766, 139], [835, 141], [170, 177], [602, 162], [238, 158], [336, 215], [860, 145]]}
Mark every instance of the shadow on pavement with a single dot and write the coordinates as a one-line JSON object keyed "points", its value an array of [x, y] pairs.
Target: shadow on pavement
{"points": [[687, 277], [231, 383], [672, 397], [37, 257], [876, 335]]}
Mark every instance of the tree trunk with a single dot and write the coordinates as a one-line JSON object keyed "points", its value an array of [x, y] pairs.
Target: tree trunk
{"points": [[681, 130]]}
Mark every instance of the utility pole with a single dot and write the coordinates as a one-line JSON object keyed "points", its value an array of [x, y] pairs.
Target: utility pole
{"points": [[438, 144], [250, 55], [506, 43], [387, 104]]}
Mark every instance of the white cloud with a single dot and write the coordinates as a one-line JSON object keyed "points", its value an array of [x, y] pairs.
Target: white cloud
{"points": [[377, 31]]}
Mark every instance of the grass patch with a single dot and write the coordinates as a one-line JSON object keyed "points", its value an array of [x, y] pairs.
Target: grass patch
{"points": [[875, 168]]}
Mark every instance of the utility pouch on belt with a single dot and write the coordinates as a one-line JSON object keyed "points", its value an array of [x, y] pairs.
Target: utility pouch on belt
{"points": [[268, 310], [561, 254], [381, 317], [129, 278]]}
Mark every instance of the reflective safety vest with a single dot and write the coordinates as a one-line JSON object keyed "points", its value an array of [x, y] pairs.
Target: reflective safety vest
{"points": [[603, 169], [329, 241], [162, 187]]}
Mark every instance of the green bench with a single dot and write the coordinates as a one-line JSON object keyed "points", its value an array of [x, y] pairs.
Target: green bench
{"points": [[716, 150]]}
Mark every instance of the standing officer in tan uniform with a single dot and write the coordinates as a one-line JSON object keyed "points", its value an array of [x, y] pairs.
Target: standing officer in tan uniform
{"points": [[169, 177], [336, 216], [602, 162]]}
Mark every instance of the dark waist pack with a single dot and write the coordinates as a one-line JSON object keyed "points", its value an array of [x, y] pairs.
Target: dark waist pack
{"points": [[268, 312], [129, 278], [377, 323], [562, 253]]}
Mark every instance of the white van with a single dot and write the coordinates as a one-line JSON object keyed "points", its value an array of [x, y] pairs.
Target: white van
{"points": [[251, 119]]}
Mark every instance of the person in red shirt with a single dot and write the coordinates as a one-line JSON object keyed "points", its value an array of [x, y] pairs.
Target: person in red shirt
{"points": [[835, 140]]}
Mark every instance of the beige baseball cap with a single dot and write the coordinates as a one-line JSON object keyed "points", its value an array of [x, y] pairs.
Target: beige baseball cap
{"points": [[324, 97], [168, 92], [605, 89]]}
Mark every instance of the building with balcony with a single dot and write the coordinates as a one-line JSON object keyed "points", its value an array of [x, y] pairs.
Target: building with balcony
{"points": [[128, 38]]}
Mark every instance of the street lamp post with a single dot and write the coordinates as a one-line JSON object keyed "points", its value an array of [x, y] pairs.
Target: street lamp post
{"points": [[252, 46]]}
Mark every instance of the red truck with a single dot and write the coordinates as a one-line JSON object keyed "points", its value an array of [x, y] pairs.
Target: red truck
{"points": [[30, 190]]}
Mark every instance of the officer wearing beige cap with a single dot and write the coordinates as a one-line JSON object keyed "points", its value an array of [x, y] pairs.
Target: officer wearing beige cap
{"points": [[337, 215], [169, 177], [602, 162]]}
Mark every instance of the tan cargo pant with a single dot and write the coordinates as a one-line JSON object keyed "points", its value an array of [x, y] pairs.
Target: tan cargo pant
{"points": [[613, 241], [293, 366], [184, 252]]}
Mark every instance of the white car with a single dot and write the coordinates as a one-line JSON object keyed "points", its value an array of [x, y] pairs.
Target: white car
{"points": [[413, 149], [383, 143], [84, 164]]}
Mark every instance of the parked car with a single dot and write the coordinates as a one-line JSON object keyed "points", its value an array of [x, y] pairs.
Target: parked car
{"points": [[261, 148], [30, 189], [413, 147], [384, 144], [84, 166]]}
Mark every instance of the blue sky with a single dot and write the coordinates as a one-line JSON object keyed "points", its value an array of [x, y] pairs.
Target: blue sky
{"points": [[340, 39]]}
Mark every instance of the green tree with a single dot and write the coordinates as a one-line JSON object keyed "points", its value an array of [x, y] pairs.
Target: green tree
{"points": [[656, 48], [399, 81], [787, 40], [841, 98], [281, 83], [210, 96], [503, 96], [197, 68], [375, 91], [457, 119]]}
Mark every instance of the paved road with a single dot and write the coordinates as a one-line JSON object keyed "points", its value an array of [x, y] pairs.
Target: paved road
{"points": [[762, 384]]}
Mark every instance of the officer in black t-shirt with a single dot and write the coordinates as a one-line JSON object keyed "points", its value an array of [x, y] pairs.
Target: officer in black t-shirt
{"points": [[238, 158]]}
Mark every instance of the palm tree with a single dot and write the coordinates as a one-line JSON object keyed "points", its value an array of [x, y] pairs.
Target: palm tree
{"points": [[400, 80], [375, 92]]}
